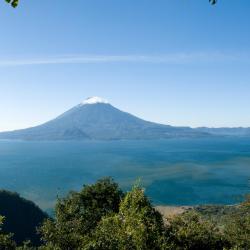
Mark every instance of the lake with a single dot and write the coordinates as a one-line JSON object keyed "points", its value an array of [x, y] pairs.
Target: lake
{"points": [[174, 171]]}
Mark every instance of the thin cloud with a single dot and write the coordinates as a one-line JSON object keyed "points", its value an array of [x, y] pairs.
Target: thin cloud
{"points": [[178, 58]]}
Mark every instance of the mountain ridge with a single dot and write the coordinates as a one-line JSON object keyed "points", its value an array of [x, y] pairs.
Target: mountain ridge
{"points": [[96, 119]]}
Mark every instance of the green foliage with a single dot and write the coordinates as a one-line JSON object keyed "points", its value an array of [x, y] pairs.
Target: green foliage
{"points": [[234, 222], [101, 217], [237, 229], [190, 231], [137, 226], [22, 217], [6, 242], [13, 3], [27, 245], [78, 213]]}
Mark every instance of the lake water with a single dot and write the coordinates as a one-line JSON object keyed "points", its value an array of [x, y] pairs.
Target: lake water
{"points": [[175, 171]]}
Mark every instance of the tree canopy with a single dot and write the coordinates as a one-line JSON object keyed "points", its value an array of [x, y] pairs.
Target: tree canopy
{"points": [[136, 226], [102, 217], [80, 212]]}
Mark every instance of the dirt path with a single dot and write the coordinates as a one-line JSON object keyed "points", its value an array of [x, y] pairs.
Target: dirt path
{"points": [[169, 211]]}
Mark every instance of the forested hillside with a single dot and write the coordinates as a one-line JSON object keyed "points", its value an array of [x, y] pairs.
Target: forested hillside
{"points": [[22, 217]]}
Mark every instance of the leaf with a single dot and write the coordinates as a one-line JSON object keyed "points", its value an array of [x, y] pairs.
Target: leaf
{"points": [[13, 3]]}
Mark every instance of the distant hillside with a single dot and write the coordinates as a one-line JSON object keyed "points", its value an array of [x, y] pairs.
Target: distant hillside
{"points": [[240, 131], [96, 119], [22, 217]]}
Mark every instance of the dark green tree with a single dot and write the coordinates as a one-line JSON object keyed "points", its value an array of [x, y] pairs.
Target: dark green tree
{"points": [[137, 226], [79, 213]]}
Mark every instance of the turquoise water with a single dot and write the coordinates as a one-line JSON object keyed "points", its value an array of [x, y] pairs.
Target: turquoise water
{"points": [[176, 171]]}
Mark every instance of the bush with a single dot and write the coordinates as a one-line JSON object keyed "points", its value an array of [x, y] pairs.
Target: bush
{"points": [[190, 231], [237, 229]]}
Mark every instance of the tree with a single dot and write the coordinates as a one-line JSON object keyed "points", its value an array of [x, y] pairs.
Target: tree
{"points": [[190, 231], [79, 213], [137, 226], [6, 242]]}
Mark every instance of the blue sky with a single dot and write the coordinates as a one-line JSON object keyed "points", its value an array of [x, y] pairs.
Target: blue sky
{"points": [[179, 62]]}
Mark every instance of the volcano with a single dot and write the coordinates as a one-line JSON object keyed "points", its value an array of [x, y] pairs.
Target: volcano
{"points": [[96, 119]]}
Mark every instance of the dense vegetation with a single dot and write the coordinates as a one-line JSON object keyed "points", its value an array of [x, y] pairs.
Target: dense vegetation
{"points": [[6, 241], [101, 217], [22, 217]]}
